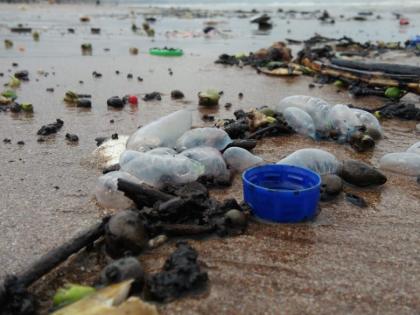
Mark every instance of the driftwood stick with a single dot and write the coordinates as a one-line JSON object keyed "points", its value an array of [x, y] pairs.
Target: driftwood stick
{"points": [[382, 67], [142, 194], [247, 144], [57, 255], [372, 79]]}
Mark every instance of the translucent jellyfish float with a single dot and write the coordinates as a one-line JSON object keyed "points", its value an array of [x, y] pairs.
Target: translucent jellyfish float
{"points": [[107, 193], [319, 161], [162, 132], [343, 120], [200, 137], [316, 107], [158, 170], [211, 159], [370, 122], [300, 121], [239, 159], [415, 148], [406, 163]]}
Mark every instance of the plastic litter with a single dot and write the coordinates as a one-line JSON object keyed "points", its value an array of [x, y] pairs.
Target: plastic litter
{"points": [[162, 132], [415, 148], [406, 163], [316, 107], [282, 193], [166, 52], [158, 170], [108, 153], [107, 193], [198, 137], [211, 158], [317, 160], [239, 159], [300, 121]]}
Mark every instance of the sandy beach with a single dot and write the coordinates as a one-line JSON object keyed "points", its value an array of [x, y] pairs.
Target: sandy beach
{"points": [[348, 261]]}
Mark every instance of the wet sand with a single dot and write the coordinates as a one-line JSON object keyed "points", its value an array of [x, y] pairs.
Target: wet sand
{"points": [[349, 260]]}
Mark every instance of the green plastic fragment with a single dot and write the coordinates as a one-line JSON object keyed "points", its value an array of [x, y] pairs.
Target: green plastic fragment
{"points": [[27, 107], [267, 112], [14, 82], [166, 52], [86, 46], [9, 94], [209, 98], [71, 293], [8, 43], [70, 97], [339, 83], [393, 92], [35, 36]]}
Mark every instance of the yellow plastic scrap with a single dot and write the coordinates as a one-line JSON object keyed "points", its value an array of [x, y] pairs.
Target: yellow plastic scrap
{"points": [[14, 82], [111, 300]]}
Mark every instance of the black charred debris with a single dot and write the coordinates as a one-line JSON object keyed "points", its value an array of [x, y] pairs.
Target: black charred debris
{"points": [[321, 57], [50, 128]]}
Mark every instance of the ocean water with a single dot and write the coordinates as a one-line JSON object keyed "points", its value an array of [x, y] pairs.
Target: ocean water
{"points": [[394, 5]]}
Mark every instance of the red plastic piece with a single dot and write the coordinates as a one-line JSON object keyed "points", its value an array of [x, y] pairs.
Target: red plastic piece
{"points": [[404, 21], [132, 99]]}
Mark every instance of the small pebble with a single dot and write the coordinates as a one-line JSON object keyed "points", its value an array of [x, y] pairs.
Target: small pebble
{"points": [[114, 136], [50, 89], [15, 64], [117, 72], [140, 79], [228, 105], [72, 137], [240, 95], [112, 121], [21, 142], [129, 76], [7, 140], [96, 74]]}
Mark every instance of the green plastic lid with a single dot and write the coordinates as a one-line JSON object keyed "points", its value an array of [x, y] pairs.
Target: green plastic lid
{"points": [[169, 52]]}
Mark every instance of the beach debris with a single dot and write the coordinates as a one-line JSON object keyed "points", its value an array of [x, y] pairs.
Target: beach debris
{"points": [[149, 31], [402, 110], [360, 174], [35, 36], [115, 102], [317, 160], [86, 49], [107, 193], [153, 96], [124, 269], [27, 107], [95, 30], [22, 75], [8, 43], [132, 99], [404, 21], [109, 150], [15, 298], [10, 94], [198, 137], [158, 170], [125, 234], [393, 92], [356, 200], [71, 293], [163, 132], [51, 128], [181, 274], [239, 159], [166, 52], [13, 82], [111, 300], [209, 98], [21, 29], [133, 50], [78, 100], [84, 18], [177, 94]]}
